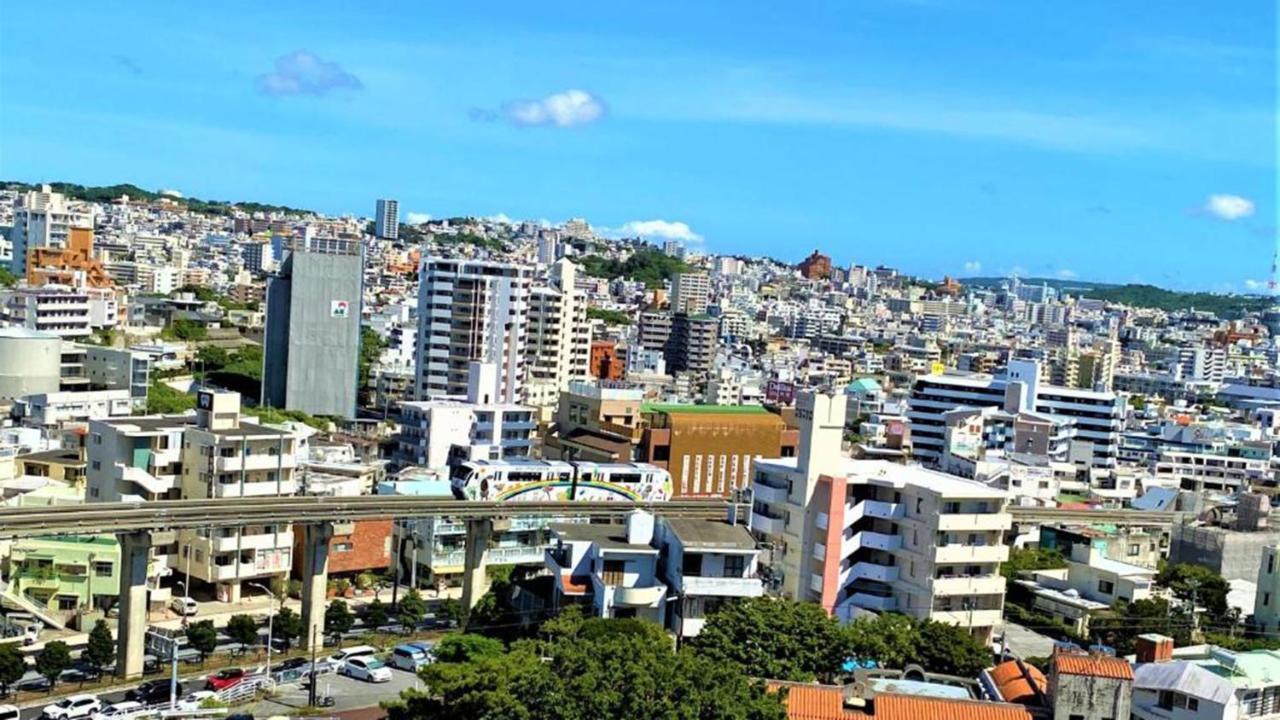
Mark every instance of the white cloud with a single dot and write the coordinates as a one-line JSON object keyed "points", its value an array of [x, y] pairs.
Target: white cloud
{"points": [[305, 73], [1255, 285], [171, 193], [973, 266], [501, 218], [416, 218], [1065, 274], [660, 229], [1229, 207], [564, 109]]}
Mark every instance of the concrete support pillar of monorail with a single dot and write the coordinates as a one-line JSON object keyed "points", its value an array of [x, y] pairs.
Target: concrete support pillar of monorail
{"points": [[131, 631], [475, 579], [315, 580]]}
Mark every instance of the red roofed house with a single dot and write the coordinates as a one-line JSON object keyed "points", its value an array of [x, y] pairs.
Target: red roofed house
{"points": [[1090, 687]]}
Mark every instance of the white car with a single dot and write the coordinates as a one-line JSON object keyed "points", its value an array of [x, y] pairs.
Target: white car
{"points": [[335, 661], [184, 606], [123, 710], [195, 699], [10, 712], [368, 669], [72, 707]]}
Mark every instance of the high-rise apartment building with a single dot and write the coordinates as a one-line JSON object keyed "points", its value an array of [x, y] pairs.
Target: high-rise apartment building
{"points": [[868, 535], [1098, 416], [57, 309], [690, 293], [311, 348], [559, 339], [654, 330], [42, 218], [386, 219], [693, 343], [471, 310]]}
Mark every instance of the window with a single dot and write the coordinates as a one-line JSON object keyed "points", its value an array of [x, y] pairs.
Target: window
{"points": [[614, 571], [102, 569], [68, 602], [734, 565], [1106, 587], [1193, 704], [97, 465], [692, 564], [343, 547], [1134, 549], [1271, 564], [1266, 599]]}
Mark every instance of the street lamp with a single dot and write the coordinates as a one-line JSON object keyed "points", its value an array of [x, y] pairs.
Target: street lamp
{"points": [[271, 616]]}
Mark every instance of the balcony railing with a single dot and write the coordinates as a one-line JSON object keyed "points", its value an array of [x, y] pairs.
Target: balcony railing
{"points": [[722, 586]]}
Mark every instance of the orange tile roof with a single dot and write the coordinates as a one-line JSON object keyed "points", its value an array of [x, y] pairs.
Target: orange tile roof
{"points": [[574, 584], [1095, 665], [1013, 686], [911, 707], [814, 702]]}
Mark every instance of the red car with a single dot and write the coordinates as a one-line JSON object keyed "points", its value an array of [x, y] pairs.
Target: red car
{"points": [[224, 679]]}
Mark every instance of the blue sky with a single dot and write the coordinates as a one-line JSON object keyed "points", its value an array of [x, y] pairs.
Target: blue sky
{"points": [[1116, 141]]}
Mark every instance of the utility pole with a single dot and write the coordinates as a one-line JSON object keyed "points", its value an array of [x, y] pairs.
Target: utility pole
{"points": [[315, 677]]}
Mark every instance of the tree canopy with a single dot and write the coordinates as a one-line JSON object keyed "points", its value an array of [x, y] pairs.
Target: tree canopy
{"points": [[1196, 583], [101, 647], [52, 659], [12, 666], [648, 265], [608, 669], [777, 639], [164, 400], [243, 629]]}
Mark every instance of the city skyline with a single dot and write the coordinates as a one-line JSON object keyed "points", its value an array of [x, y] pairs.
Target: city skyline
{"points": [[1016, 143]]}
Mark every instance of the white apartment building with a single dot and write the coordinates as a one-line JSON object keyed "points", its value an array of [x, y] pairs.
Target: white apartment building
{"points": [[705, 563], [42, 218], [53, 410], [558, 349], [690, 293], [211, 454], [612, 567], [863, 536], [1098, 416], [435, 432], [57, 309], [470, 310]]}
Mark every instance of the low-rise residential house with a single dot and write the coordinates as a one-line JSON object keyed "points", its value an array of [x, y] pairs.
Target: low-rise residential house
{"points": [[615, 566], [1218, 684], [1090, 687], [706, 563]]}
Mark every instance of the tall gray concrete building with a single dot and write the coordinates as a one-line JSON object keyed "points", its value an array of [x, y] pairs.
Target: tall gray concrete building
{"points": [[311, 353], [386, 219]]}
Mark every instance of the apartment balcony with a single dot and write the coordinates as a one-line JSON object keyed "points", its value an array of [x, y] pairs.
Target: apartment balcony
{"points": [[769, 494], [442, 561], [975, 521], [869, 571], [869, 539], [819, 551], [878, 603], [967, 618], [980, 585], [259, 461], [219, 573], [720, 586], [256, 541], [877, 509], [143, 479], [523, 555], [975, 554], [255, 489], [651, 596], [767, 525]]}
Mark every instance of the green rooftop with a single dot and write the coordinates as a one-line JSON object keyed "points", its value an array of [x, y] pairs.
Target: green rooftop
{"points": [[703, 409]]}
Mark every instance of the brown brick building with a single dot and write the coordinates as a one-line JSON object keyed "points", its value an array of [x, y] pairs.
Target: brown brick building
{"points": [[605, 362], [366, 547], [710, 449], [816, 267]]}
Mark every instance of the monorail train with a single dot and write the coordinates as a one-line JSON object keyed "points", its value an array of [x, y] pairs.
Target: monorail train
{"points": [[557, 480]]}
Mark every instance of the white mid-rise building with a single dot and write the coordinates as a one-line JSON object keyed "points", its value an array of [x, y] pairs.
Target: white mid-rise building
{"points": [[437, 433], [56, 309], [863, 536], [558, 349], [472, 311], [42, 218]]}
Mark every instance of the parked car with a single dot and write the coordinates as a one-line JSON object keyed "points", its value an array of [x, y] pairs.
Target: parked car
{"points": [[367, 668], [195, 699], [184, 606], [338, 659], [9, 712], [152, 692], [411, 656], [224, 679], [125, 710], [72, 707]]}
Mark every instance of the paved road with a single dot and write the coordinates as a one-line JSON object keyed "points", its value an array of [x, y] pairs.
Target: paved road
{"points": [[1025, 642]]}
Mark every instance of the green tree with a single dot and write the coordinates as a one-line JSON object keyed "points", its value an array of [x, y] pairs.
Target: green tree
{"points": [[243, 629], [450, 609], [183, 329], [52, 659], [371, 347], [611, 669], [948, 649], [466, 647], [164, 400], [1154, 615], [773, 638], [338, 618], [7, 278], [887, 639], [101, 648], [288, 627], [411, 610], [12, 666], [1026, 559], [1190, 582], [610, 317], [375, 614], [203, 638]]}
